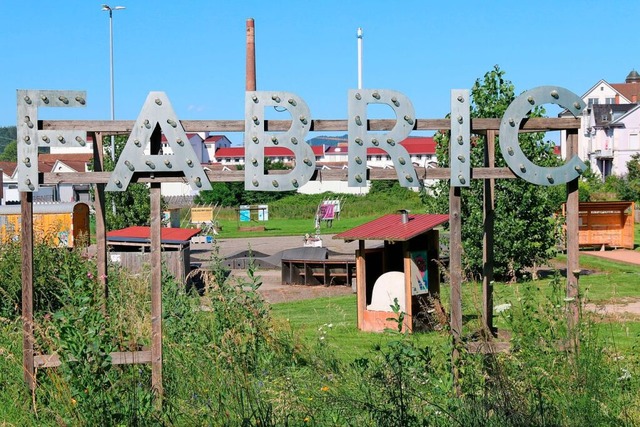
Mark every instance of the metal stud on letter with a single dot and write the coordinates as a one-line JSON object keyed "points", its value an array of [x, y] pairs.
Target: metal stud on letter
{"points": [[510, 124]]}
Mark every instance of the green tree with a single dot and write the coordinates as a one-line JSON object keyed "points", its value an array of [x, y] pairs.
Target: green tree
{"points": [[221, 194], [125, 208], [629, 187], [234, 194], [8, 134], [10, 152], [524, 232]]}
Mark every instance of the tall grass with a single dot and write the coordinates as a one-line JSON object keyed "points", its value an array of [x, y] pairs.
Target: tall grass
{"points": [[229, 361]]}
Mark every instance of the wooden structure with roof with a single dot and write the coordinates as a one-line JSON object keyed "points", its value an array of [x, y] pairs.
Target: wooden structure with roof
{"points": [[404, 268], [131, 248], [606, 224]]}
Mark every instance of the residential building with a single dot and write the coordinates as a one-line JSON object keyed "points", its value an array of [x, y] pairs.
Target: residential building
{"points": [[215, 152], [49, 163], [610, 130]]}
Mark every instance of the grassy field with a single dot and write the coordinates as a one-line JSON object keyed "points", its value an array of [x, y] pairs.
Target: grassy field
{"points": [[243, 362], [288, 227], [606, 282]]}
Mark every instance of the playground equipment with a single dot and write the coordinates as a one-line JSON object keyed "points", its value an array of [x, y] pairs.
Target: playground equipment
{"points": [[405, 269], [326, 212]]}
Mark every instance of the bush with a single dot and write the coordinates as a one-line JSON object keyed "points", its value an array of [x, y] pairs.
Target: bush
{"points": [[49, 265]]}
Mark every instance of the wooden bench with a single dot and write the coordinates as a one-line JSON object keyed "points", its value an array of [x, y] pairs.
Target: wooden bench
{"points": [[318, 272]]}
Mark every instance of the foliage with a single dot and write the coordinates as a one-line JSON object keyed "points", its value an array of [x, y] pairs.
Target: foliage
{"points": [[227, 361], [49, 263], [232, 194], [124, 208], [9, 145], [524, 226], [630, 186], [10, 152], [8, 135], [389, 188]]}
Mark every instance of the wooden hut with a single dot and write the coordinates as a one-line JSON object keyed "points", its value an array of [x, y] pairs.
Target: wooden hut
{"points": [[131, 246], [606, 224], [404, 268]]}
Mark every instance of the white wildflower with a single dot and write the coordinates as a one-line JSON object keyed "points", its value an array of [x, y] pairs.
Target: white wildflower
{"points": [[625, 375], [502, 307]]}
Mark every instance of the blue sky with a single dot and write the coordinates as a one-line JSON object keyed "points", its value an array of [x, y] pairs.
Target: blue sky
{"points": [[195, 51]]}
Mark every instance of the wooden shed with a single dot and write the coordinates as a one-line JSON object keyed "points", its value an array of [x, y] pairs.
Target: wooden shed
{"points": [[130, 247], [606, 224], [62, 224], [405, 268]]}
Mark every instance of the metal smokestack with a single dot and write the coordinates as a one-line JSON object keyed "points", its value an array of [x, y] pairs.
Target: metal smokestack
{"points": [[404, 215], [251, 56]]}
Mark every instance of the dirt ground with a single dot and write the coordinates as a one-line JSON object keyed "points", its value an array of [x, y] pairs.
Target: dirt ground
{"points": [[272, 288], [274, 291]]}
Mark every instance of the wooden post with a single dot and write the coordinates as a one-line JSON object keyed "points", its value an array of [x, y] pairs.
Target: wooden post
{"points": [[361, 284], [573, 248], [156, 277], [433, 252], [251, 56], [98, 206], [156, 294], [408, 297], [26, 211], [455, 278], [487, 241]]}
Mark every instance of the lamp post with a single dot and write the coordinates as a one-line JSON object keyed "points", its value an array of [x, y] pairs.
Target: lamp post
{"points": [[359, 35], [110, 9]]}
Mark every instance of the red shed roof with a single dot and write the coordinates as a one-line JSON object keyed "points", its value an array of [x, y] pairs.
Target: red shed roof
{"points": [[391, 228], [140, 234]]}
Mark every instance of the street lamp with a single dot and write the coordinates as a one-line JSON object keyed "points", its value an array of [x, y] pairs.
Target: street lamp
{"points": [[359, 35], [110, 9]]}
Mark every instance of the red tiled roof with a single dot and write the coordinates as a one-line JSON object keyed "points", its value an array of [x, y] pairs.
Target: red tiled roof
{"points": [[391, 228], [189, 136], [213, 139], [76, 161], [230, 152], [268, 151], [8, 167], [631, 91], [141, 234], [413, 145]]}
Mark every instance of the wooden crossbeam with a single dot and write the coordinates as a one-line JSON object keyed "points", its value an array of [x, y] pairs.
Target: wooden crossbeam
{"points": [[538, 124], [238, 175], [117, 358]]}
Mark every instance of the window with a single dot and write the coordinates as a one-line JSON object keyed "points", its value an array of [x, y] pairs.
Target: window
{"points": [[592, 101], [610, 101]]}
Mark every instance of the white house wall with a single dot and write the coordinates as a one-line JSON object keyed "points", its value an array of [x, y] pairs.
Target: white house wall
{"points": [[317, 187]]}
